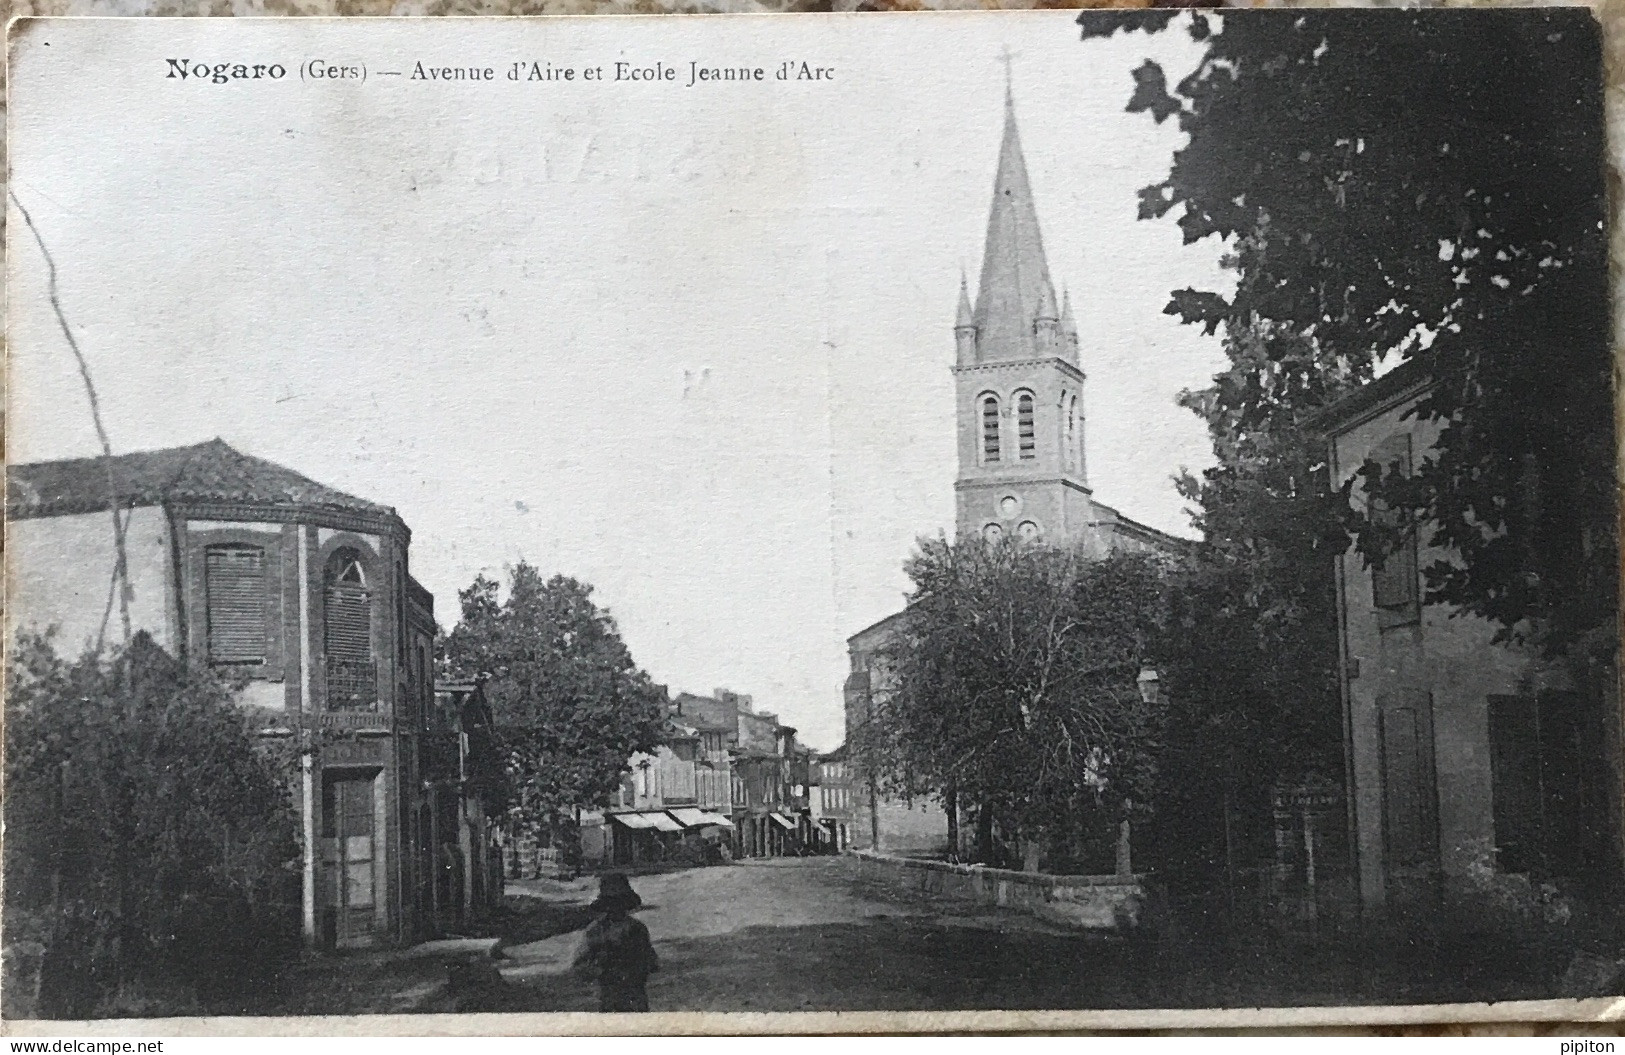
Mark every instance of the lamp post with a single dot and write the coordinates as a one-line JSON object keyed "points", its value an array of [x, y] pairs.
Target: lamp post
{"points": [[1150, 688]]}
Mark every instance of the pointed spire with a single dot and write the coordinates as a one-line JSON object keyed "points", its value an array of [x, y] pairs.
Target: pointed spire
{"points": [[1046, 305], [964, 325], [1069, 325], [1015, 275], [965, 317]]}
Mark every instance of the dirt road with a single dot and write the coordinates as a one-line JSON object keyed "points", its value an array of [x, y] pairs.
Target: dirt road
{"points": [[808, 934]]}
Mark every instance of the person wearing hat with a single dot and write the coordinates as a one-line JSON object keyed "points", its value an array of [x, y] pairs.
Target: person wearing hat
{"points": [[615, 948]]}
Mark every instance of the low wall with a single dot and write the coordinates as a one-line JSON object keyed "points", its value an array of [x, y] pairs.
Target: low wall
{"points": [[1087, 902]]}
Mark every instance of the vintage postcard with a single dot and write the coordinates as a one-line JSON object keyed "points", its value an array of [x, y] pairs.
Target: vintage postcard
{"points": [[1100, 519]]}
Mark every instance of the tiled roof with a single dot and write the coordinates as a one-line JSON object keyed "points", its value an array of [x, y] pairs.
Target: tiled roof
{"points": [[203, 472], [1398, 382], [1109, 517], [879, 630]]}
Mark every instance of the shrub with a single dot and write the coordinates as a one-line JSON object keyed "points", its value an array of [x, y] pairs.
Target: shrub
{"points": [[145, 821]]}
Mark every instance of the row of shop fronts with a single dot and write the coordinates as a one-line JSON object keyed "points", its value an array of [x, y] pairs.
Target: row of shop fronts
{"points": [[729, 782], [691, 835]]}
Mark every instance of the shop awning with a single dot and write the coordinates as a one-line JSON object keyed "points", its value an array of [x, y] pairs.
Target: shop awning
{"points": [[783, 822], [693, 817], [647, 821]]}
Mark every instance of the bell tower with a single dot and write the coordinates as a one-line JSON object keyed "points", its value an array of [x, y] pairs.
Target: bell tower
{"points": [[1018, 379]]}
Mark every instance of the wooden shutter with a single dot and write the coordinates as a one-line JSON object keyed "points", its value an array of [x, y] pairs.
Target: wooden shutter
{"points": [[234, 582], [1024, 427], [1574, 786], [349, 622], [1410, 796], [1393, 582]]}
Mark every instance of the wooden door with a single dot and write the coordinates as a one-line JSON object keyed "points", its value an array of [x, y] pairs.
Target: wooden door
{"points": [[349, 852]]}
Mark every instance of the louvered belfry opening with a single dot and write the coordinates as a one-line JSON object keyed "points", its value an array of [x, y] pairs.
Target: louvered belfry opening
{"points": [[1024, 427], [234, 582], [352, 674], [1072, 432], [990, 429]]}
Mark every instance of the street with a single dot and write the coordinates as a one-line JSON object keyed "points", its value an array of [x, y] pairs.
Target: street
{"points": [[807, 934]]}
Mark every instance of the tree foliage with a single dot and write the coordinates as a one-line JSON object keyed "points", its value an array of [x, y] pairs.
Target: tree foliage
{"points": [[1426, 186], [140, 807], [1253, 664], [568, 704], [1012, 683], [1251, 657]]}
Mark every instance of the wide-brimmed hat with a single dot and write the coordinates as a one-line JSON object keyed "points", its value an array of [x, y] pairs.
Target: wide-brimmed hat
{"points": [[614, 891]]}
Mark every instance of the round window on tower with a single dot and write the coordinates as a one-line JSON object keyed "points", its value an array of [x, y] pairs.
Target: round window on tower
{"points": [[993, 532], [1009, 506], [1028, 531]]}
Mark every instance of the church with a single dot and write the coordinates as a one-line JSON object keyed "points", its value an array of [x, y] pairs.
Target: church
{"points": [[1023, 465]]}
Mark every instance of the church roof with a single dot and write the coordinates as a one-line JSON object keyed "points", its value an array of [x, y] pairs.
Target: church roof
{"points": [[1015, 280], [1108, 519], [203, 472]]}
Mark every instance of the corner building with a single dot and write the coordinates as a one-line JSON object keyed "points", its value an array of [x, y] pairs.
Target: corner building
{"points": [[294, 591]]}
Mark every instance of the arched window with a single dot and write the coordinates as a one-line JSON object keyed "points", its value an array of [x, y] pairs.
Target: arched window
{"points": [[1072, 451], [1025, 432], [990, 428], [352, 675]]}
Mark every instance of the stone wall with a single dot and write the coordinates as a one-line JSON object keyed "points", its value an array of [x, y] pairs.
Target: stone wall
{"points": [[1086, 902]]}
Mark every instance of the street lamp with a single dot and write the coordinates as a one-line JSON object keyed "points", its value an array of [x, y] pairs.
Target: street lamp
{"points": [[1149, 684]]}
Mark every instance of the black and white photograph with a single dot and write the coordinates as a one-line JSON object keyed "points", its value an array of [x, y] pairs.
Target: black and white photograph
{"points": [[1065, 514]]}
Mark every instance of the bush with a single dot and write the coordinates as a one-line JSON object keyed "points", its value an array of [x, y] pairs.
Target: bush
{"points": [[146, 824]]}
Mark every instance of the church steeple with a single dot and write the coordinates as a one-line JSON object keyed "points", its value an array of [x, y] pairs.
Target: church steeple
{"points": [[1015, 283], [1019, 385]]}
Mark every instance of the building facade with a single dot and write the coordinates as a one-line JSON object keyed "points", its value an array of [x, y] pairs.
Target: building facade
{"points": [[833, 800], [674, 804], [1023, 466], [300, 594], [769, 772], [463, 783], [1471, 763]]}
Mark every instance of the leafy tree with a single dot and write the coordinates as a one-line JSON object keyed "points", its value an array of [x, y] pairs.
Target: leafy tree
{"points": [[1251, 666], [568, 704], [1425, 186], [1012, 686], [146, 826]]}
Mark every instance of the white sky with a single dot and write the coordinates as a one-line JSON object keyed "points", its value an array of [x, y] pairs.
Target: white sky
{"points": [[691, 345]]}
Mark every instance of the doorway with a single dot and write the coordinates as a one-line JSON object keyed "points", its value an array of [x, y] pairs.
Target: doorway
{"points": [[350, 856]]}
